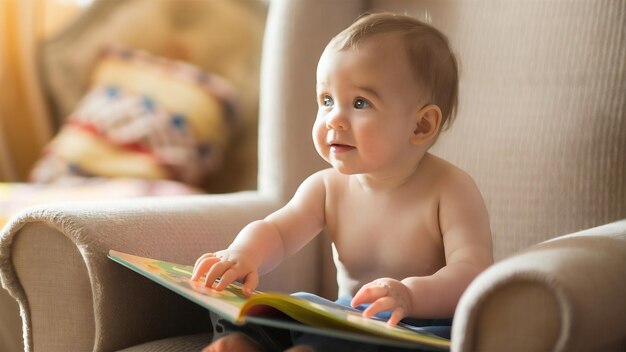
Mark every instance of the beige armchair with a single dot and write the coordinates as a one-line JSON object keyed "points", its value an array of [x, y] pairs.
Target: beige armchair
{"points": [[541, 127]]}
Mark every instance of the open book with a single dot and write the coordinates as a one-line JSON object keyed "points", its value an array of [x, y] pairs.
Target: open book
{"points": [[302, 312]]}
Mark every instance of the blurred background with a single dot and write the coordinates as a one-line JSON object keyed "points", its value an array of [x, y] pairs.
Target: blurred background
{"points": [[127, 98], [109, 99]]}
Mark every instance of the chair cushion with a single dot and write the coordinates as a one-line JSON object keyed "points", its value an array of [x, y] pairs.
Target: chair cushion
{"points": [[189, 343]]}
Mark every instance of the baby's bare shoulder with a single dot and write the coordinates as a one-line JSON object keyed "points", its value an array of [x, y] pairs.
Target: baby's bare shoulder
{"points": [[330, 177], [448, 177]]}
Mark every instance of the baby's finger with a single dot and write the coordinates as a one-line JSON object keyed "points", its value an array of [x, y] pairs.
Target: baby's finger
{"points": [[250, 283], [202, 266], [227, 278], [202, 257], [397, 315], [369, 294], [217, 270], [380, 305]]}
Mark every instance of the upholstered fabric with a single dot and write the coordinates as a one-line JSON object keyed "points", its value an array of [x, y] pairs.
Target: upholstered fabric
{"points": [[10, 327], [58, 254], [541, 127], [565, 294], [190, 343]]}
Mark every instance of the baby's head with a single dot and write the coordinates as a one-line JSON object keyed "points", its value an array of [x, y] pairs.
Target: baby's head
{"points": [[385, 87], [434, 66]]}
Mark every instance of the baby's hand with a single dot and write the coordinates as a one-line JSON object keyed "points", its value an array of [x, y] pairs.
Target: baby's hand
{"points": [[385, 295], [229, 265]]}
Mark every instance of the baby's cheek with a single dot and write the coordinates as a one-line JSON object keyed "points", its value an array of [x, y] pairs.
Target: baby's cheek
{"points": [[319, 140]]}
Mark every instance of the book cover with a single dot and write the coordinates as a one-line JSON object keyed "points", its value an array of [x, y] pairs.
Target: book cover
{"points": [[302, 311]]}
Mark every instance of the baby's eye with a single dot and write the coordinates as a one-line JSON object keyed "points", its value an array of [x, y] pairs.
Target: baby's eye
{"points": [[327, 101], [360, 103]]}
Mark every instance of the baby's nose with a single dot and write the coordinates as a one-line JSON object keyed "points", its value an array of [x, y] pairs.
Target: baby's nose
{"points": [[337, 120]]}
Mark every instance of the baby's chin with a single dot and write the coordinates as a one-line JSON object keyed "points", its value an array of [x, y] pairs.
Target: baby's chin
{"points": [[343, 169], [337, 165]]}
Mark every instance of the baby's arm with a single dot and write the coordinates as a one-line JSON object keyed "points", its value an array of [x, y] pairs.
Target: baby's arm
{"points": [[263, 244], [466, 233]]}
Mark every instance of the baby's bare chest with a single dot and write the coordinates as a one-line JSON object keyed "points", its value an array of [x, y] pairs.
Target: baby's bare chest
{"points": [[386, 238]]}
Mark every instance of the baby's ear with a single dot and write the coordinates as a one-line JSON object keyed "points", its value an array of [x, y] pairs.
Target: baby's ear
{"points": [[427, 124]]}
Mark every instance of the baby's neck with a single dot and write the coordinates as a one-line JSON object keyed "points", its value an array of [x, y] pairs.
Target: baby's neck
{"points": [[391, 180]]}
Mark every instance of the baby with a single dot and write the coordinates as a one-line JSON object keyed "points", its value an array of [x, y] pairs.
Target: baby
{"points": [[410, 231]]}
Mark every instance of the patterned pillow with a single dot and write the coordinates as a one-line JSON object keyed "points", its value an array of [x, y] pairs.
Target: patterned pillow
{"points": [[144, 117]]}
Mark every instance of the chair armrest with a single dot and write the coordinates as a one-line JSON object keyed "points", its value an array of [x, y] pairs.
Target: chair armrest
{"points": [[53, 261], [566, 294]]}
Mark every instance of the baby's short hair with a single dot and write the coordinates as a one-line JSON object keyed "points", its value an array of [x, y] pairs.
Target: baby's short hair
{"points": [[434, 65]]}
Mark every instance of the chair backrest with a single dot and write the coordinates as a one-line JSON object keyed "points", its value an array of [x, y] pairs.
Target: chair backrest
{"points": [[541, 123]]}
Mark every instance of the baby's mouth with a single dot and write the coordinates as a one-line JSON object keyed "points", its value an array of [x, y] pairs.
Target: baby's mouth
{"points": [[340, 148]]}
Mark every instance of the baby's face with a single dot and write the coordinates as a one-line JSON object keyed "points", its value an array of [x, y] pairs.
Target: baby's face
{"points": [[368, 102]]}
